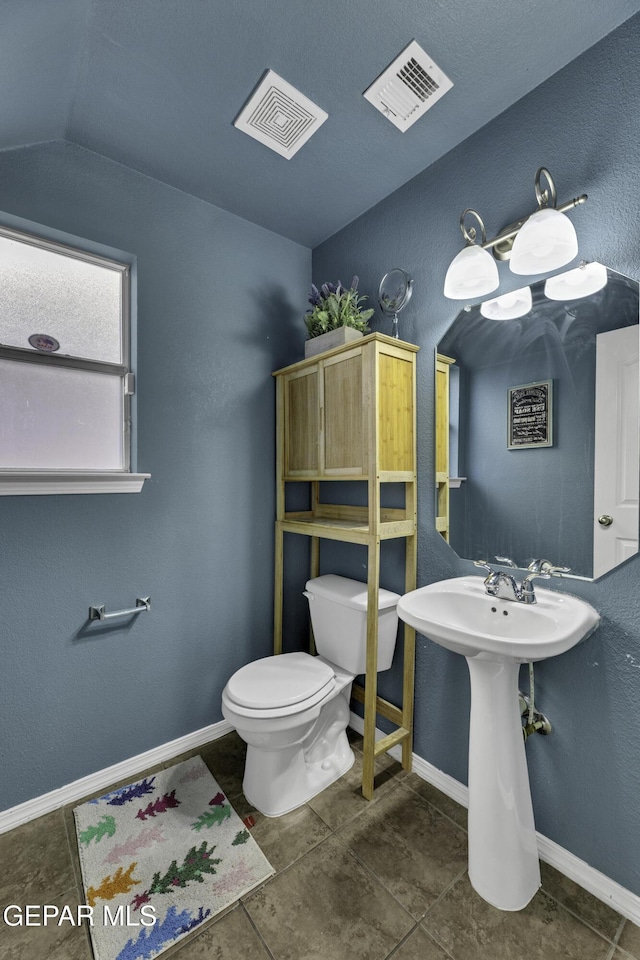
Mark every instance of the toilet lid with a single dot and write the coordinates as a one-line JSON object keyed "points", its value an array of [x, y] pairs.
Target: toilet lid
{"points": [[280, 681]]}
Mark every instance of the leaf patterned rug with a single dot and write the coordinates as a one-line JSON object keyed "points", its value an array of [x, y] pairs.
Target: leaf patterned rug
{"points": [[168, 848]]}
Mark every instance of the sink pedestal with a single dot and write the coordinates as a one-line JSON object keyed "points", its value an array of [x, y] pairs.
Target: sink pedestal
{"points": [[496, 635], [503, 854]]}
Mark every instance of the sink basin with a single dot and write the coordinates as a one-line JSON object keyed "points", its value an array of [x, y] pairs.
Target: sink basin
{"points": [[459, 615], [496, 636]]}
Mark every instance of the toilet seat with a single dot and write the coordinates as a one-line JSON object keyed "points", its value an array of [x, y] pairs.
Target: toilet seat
{"points": [[281, 685]]}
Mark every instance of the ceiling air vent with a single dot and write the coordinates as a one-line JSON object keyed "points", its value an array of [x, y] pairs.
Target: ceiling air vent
{"points": [[408, 87], [279, 116]]}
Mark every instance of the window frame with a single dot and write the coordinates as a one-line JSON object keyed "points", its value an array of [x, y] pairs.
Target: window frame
{"points": [[42, 481]]}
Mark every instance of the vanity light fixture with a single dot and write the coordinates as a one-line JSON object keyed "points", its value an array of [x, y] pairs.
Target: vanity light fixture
{"points": [[546, 240], [509, 306], [586, 279]]}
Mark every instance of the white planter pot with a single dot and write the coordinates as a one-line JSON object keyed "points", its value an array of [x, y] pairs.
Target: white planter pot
{"points": [[327, 341]]}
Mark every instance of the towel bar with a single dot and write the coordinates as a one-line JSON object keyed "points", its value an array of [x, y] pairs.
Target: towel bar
{"points": [[142, 605]]}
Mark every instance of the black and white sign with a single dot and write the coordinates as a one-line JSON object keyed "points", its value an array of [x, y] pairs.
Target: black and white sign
{"points": [[530, 415]]}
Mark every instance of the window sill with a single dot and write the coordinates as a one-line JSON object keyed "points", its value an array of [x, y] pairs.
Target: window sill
{"points": [[30, 483]]}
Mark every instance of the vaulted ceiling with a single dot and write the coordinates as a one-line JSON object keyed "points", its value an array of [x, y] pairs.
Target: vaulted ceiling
{"points": [[157, 84]]}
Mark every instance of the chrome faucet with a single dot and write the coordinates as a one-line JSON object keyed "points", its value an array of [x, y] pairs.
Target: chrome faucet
{"points": [[505, 587]]}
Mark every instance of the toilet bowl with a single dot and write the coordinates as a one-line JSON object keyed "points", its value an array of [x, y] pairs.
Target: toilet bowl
{"points": [[294, 749], [292, 710]]}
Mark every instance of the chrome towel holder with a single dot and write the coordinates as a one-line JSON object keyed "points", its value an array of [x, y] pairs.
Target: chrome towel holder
{"points": [[143, 605]]}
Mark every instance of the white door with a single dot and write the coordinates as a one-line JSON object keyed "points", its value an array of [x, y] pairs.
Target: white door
{"points": [[616, 480]]}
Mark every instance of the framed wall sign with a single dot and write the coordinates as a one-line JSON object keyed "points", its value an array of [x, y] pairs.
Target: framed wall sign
{"points": [[530, 411]]}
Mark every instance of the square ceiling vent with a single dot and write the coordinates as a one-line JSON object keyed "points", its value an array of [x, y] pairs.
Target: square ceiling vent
{"points": [[408, 87], [280, 116]]}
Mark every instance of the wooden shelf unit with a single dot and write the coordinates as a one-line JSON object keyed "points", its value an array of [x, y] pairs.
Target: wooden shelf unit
{"points": [[350, 415], [443, 365]]}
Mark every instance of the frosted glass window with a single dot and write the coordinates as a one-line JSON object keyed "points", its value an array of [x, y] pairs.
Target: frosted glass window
{"points": [[59, 418], [75, 301], [65, 380]]}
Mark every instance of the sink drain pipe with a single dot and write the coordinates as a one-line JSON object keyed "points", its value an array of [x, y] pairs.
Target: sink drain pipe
{"points": [[536, 722]]}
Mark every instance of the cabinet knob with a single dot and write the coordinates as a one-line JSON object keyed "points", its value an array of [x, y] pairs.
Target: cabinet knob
{"points": [[605, 520]]}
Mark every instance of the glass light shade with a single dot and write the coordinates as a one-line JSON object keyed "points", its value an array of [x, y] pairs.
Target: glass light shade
{"points": [[472, 273], [546, 241], [581, 282], [509, 306]]}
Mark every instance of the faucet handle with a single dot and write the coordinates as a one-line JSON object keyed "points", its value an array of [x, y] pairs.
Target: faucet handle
{"points": [[507, 561], [545, 566], [535, 575], [527, 593], [484, 564]]}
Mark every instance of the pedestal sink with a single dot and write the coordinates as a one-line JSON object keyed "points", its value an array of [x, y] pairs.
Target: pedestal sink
{"points": [[496, 636]]}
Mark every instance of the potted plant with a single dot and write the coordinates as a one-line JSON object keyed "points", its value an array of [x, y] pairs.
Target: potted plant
{"points": [[335, 317]]}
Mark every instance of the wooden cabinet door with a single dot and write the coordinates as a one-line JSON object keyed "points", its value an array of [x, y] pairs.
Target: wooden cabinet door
{"points": [[302, 423], [343, 435], [395, 391]]}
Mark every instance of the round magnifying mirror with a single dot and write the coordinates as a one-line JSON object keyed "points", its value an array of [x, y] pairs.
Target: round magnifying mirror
{"points": [[394, 294]]}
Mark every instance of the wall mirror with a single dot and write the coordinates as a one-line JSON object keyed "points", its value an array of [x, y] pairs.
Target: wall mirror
{"points": [[537, 431]]}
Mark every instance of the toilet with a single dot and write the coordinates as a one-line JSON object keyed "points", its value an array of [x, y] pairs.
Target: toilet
{"points": [[292, 710]]}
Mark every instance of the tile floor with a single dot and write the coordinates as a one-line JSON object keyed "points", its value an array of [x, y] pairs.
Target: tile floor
{"points": [[354, 881]]}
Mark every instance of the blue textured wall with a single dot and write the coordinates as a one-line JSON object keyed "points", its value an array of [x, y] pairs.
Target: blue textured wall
{"points": [[583, 125], [219, 303]]}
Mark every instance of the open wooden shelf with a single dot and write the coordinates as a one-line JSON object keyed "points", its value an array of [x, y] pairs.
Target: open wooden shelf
{"points": [[353, 529]]}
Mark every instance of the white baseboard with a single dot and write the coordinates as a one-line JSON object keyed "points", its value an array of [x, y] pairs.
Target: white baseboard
{"points": [[604, 888], [101, 779], [601, 886]]}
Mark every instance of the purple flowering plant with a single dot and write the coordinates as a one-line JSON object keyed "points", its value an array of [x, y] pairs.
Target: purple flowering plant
{"points": [[335, 305]]}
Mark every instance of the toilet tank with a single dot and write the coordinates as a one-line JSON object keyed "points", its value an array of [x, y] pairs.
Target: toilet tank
{"points": [[339, 618]]}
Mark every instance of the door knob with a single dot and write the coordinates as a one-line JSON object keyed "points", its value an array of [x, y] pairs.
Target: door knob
{"points": [[605, 520]]}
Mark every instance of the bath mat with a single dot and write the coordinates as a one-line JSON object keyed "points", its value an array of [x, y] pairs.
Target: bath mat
{"points": [[159, 857]]}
